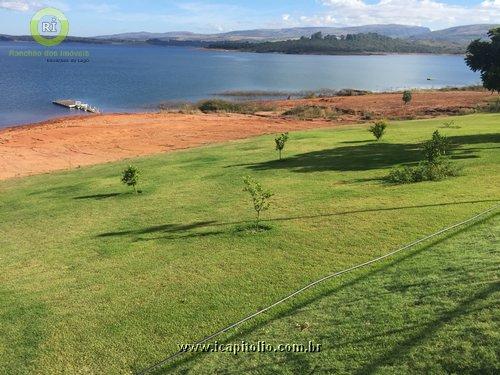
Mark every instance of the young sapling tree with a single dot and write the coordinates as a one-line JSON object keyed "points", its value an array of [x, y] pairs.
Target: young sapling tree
{"points": [[130, 177], [407, 97], [280, 143], [260, 196], [378, 129]]}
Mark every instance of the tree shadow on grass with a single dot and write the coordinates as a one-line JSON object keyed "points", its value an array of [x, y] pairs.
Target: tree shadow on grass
{"points": [[366, 274], [177, 231], [181, 236], [167, 228], [98, 196], [369, 156]]}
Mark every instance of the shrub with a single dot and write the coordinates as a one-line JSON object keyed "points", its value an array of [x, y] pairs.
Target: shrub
{"points": [[217, 105], [438, 146], [130, 177], [378, 129], [434, 168], [407, 97], [425, 171], [309, 112], [260, 196], [281, 142]]}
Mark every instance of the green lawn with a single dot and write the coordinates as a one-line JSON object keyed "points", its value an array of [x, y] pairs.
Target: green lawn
{"points": [[94, 279], [431, 310]]}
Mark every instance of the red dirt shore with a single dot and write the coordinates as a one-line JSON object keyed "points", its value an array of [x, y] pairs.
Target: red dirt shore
{"points": [[80, 141]]}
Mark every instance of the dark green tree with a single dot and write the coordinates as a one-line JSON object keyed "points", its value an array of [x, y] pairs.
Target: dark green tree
{"points": [[317, 36], [407, 97], [130, 177], [484, 56]]}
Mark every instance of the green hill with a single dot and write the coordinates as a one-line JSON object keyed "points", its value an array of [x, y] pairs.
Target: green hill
{"points": [[336, 45]]}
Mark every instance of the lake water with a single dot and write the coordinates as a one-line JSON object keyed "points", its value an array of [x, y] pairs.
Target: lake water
{"points": [[135, 78]]}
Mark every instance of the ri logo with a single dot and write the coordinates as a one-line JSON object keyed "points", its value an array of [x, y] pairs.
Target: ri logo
{"points": [[49, 27]]}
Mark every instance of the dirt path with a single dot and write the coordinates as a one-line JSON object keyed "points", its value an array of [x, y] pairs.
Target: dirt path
{"points": [[71, 142]]}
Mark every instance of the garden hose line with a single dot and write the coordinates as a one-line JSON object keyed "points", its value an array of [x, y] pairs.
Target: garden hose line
{"points": [[170, 358]]}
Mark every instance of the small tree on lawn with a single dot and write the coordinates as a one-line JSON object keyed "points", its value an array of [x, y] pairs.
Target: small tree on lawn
{"points": [[378, 129], [130, 177], [260, 197], [281, 142], [435, 148], [407, 97]]}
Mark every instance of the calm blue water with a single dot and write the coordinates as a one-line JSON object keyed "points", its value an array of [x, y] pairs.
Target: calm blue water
{"points": [[133, 78]]}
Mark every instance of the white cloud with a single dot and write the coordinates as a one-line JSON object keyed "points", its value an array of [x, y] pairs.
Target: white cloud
{"points": [[22, 6], [432, 13], [30, 5], [491, 4]]}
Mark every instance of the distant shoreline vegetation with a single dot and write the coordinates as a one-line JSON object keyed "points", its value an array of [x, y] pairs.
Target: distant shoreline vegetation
{"points": [[350, 44], [317, 44]]}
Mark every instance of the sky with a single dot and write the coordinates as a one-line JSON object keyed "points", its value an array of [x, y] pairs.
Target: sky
{"points": [[92, 17]]}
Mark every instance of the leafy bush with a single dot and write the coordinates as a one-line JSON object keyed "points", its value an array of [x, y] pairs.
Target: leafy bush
{"points": [[217, 105], [378, 129], [407, 97], [309, 112], [281, 142], [438, 146], [425, 171], [434, 168], [260, 196], [130, 177]]}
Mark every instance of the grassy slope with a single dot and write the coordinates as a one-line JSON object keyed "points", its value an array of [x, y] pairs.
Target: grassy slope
{"points": [[96, 279], [432, 309]]}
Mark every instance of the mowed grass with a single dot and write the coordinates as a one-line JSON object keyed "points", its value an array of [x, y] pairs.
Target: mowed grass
{"points": [[430, 310], [94, 279]]}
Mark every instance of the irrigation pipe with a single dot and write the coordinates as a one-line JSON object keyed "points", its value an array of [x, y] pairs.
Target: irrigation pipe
{"points": [[162, 363]]}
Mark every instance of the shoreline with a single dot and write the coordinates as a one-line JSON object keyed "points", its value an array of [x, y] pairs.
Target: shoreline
{"points": [[75, 141], [250, 96]]}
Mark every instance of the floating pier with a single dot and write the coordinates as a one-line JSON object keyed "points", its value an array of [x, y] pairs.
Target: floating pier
{"points": [[76, 104]]}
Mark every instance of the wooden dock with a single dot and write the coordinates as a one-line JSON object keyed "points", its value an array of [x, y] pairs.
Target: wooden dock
{"points": [[76, 104]]}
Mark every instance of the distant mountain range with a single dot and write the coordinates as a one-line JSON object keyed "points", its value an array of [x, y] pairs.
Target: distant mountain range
{"points": [[453, 40], [459, 35], [393, 31]]}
